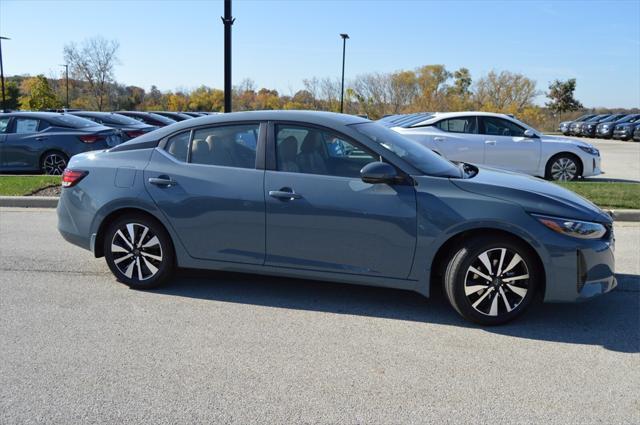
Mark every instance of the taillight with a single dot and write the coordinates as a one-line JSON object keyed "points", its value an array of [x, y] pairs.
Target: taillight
{"points": [[91, 138], [133, 134], [72, 177]]}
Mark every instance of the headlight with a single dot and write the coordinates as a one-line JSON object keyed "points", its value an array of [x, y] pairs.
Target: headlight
{"points": [[605, 127], [575, 228], [589, 149]]}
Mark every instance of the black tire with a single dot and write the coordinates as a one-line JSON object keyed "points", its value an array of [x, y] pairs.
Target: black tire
{"points": [[144, 261], [558, 168], [503, 298], [53, 163]]}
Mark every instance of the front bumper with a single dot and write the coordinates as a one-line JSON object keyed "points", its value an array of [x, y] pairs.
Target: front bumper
{"points": [[621, 134], [604, 133], [591, 165]]}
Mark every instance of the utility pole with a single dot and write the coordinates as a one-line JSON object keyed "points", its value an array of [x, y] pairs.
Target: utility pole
{"points": [[344, 46], [4, 104], [66, 72], [228, 21]]}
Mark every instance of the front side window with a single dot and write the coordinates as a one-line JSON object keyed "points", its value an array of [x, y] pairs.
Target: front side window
{"points": [[4, 123], [178, 146], [228, 146], [26, 125], [309, 150], [458, 125], [494, 126]]}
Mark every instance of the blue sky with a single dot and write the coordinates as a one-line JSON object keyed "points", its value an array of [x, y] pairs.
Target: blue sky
{"points": [[179, 44]]}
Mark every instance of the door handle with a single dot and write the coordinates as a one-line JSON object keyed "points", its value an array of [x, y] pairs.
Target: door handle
{"points": [[41, 138], [438, 139], [164, 181], [285, 194], [490, 142]]}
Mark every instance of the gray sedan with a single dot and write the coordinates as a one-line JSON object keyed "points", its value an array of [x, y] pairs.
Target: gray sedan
{"points": [[44, 141], [333, 197]]}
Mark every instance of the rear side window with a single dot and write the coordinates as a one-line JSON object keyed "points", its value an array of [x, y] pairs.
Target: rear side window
{"points": [[458, 125], [26, 125], [178, 146], [71, 121], [229, 146]]}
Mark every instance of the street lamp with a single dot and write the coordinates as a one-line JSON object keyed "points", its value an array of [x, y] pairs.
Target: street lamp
{"points": [[344, 45], [66, 73], [4, 105]]}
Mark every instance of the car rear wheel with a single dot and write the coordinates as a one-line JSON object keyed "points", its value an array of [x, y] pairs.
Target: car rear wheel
{"points": [[138, 251], [491, 281], [563, 167], [54, 163]]}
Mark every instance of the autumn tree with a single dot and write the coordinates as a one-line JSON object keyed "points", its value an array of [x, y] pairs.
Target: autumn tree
{"points": [[93, 62], [561, 94], [505, 92], [38, 94]]}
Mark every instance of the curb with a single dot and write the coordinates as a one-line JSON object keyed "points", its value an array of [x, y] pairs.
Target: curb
{"points": [[52, 202], [29, 201]]}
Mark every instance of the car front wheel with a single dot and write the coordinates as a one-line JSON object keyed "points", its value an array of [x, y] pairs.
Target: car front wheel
{"points": [[491, 281], [563, 167], [138, 251]]}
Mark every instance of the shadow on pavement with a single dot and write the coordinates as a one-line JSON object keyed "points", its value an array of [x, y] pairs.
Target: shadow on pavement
{"points": [[600, 179], [611, 321]]}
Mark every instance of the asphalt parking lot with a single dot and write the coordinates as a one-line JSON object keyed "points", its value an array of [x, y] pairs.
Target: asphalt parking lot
{"points": [[77, 347], [620, 160]]}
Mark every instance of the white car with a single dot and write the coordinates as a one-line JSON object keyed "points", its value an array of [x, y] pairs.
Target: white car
{"points": [[499, 141]]}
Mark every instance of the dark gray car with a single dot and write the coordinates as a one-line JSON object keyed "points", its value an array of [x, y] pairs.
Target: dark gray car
{"points": [[326, 196], [44, 141], [129, 127]]}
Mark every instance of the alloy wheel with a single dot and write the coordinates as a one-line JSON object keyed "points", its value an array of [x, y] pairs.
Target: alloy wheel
{"points": [[54, 164], [137, 252], [497, 282], [564, 169]]}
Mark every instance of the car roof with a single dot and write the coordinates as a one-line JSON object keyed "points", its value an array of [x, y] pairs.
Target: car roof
{"points": [[36, 115], [431, 117]]}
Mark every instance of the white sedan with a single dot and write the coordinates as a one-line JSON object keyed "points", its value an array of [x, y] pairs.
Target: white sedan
{"points": [[500, 141]]}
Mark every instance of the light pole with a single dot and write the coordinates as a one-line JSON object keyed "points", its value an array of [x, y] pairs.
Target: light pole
{"points": [[4, 105], [66, 73], [227, 20], [344, 46]]}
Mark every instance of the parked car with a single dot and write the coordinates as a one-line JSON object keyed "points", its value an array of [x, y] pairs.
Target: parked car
{"points": [[176, 116], [333, 197], [575, 129], [605, 129], [588, 128], [129, 127], [148, 118], [499, 141], [565, 126], [636, 133], [44, 141], [624, 131]]}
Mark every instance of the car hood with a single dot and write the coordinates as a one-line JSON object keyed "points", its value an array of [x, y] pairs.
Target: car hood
{"points": [[533, 194], [627, 124]]}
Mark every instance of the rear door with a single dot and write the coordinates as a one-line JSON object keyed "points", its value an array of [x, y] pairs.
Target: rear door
{"points": [[23, 144], [206, 183], [457, 139], [506, 146]]}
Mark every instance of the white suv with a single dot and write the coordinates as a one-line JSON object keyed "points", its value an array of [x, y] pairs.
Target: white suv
{"points": [[500, 141]]}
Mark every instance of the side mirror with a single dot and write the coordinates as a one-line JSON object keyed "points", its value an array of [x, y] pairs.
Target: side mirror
{"points": [[530, 134], [379, 172]]}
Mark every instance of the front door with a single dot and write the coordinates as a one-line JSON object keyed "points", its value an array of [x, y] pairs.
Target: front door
{"points": [[212, 194], [321, 216], [507, 148], [22, 146]]}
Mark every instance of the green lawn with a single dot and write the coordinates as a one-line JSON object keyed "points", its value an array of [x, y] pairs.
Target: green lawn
{"points": [[25, 185], [608, 194], [604, 194]]}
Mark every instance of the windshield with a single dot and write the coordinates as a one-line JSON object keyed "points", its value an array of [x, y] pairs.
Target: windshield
{"points": [[71, 121], [421, 157], [119, 119]]}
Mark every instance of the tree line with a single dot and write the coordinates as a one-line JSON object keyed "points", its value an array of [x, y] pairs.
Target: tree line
{"points": [[93, 86]]}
